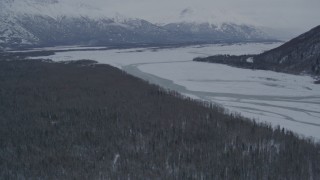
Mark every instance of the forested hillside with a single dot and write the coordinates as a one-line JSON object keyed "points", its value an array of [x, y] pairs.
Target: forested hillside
{"points": [[80, 120], [299, 55]]}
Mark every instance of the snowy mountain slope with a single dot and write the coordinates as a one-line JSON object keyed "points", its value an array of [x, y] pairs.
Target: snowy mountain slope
{"points": [[224, 32], [215, 24], [67, 30], [57, 22], [12, 34]]}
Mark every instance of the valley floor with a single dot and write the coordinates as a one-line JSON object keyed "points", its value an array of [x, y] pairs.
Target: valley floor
{"points": [[276, 98]]}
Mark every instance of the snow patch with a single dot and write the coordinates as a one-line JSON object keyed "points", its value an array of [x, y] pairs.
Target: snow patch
{"points": [[283, 60], [250, 60]]}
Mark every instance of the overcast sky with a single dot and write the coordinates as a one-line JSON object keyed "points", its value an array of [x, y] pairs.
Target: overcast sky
{"points": [[298, 15]]}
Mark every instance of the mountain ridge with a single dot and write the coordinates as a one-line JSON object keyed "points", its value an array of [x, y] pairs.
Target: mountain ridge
{"points": [[27, 27], [300, 55]]}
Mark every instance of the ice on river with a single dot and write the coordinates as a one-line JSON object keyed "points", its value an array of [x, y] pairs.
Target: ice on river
{"points": [[291, 101]]}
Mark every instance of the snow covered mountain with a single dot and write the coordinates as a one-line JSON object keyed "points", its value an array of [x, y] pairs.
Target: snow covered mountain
{"points": [[226, 32], [25, 23]]}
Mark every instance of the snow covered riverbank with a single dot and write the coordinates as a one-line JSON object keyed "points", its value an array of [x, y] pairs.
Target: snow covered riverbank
{"points": [[293, 102]]}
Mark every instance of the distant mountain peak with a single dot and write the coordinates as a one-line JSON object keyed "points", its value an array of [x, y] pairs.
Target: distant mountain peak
{"points": [[120, 18], [212, 16]]}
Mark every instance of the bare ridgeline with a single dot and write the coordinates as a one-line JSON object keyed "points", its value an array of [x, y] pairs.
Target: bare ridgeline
{"points": [[79, 120]]}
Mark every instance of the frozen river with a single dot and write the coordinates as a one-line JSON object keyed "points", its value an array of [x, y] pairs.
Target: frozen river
{"points": [[293, 102]]}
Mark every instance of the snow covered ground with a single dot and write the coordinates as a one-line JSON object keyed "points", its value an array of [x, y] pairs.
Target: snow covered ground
{"points": [[60, 48], [293, 102]]}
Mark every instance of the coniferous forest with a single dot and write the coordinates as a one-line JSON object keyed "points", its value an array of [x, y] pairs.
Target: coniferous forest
{"points": [[81, 120]]}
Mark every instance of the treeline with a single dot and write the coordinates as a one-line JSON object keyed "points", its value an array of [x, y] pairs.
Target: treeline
{"points": [[87, 121], [242, 61], [254, 62], [10, 56], [310, 66]]}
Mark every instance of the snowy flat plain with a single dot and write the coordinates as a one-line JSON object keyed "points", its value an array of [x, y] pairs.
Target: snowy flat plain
{"points": [[291, 101], [60, 48]]}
